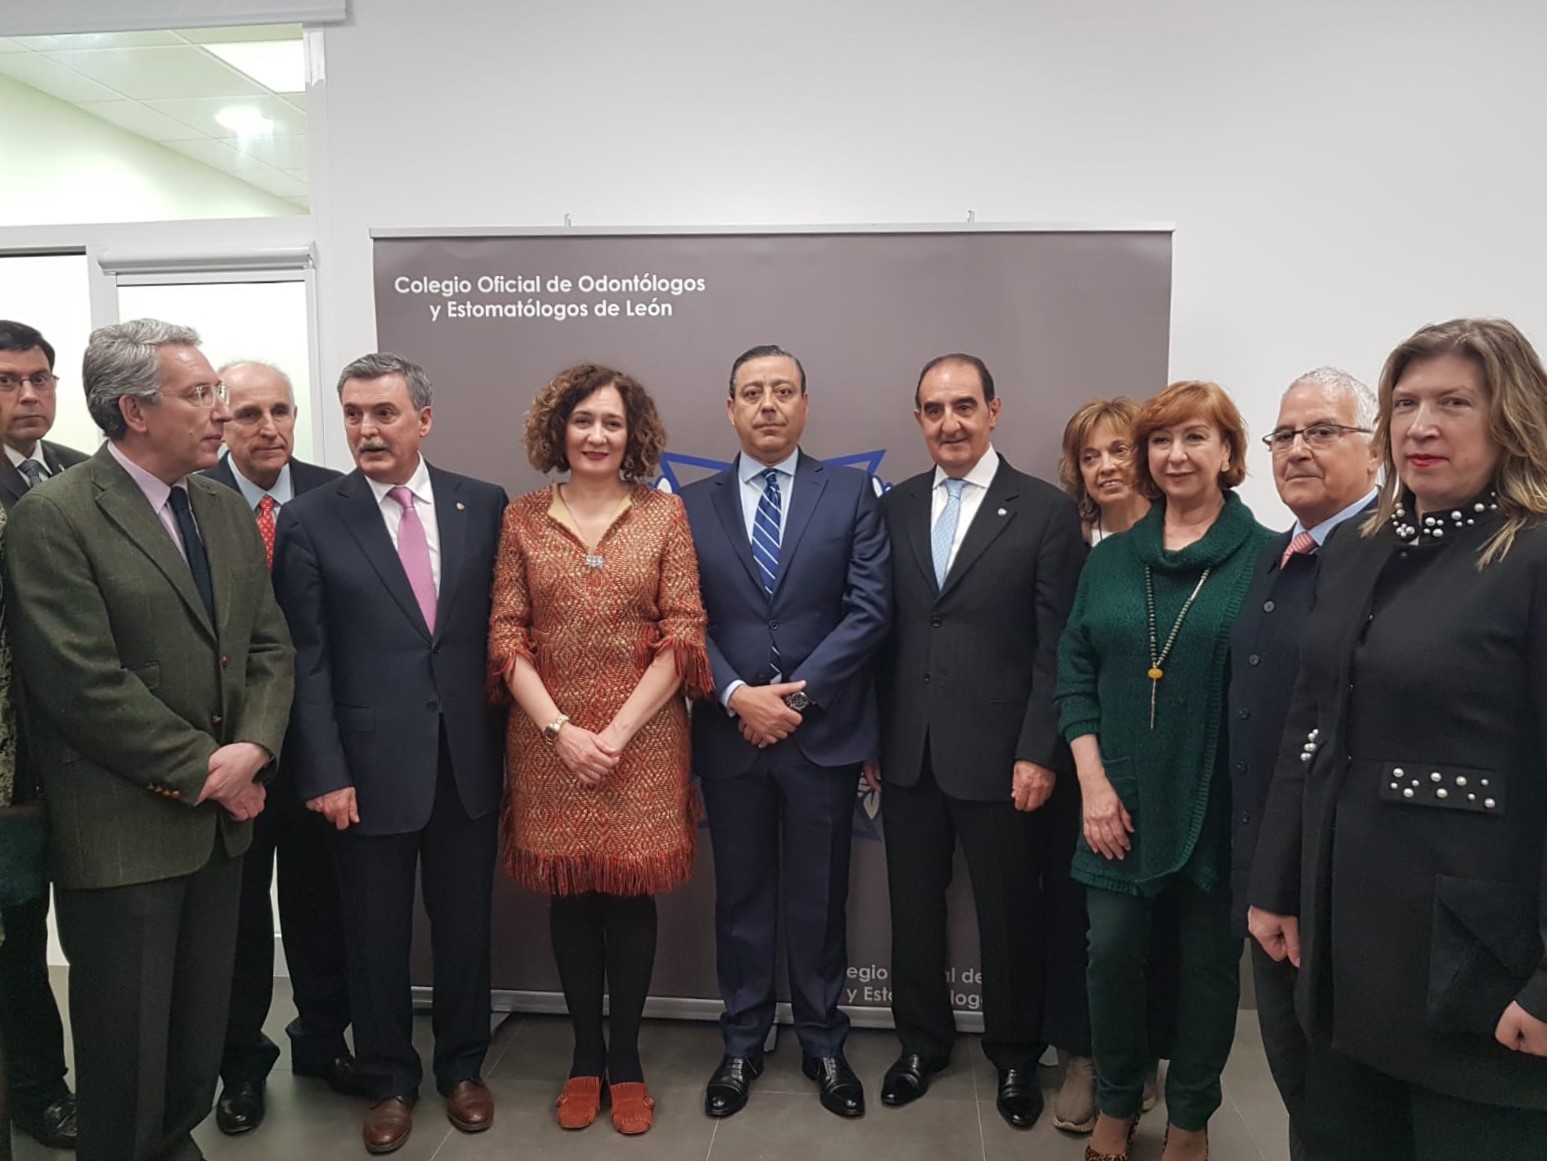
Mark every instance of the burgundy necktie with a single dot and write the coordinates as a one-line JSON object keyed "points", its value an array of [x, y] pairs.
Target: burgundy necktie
{"points": [[414, 551], [1305, 542]]}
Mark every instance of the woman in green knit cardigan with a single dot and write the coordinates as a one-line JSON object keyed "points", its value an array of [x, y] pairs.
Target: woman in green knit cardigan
{"points": [[1142, 674]]}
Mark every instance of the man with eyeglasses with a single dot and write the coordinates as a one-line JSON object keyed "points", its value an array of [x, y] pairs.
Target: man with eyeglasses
{"points": [[156, 674], [1324, 468], [260, 465], [40, 1101]]}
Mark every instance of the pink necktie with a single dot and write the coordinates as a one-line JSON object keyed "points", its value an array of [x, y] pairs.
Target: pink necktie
{"points": [[414, 551], [1305, 542]]}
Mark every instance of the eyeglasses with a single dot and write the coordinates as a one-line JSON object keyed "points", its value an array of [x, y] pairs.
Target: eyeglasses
{"points": [[42, 381], [1318, 437], [208, 394]]}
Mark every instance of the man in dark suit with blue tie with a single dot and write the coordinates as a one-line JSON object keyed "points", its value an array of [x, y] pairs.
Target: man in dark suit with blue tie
{"points": [[1324, 468], [794, 567], [260, 466], [385, 579]]}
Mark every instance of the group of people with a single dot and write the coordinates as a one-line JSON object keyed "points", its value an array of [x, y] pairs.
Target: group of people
{"points": [[1150, 723]]}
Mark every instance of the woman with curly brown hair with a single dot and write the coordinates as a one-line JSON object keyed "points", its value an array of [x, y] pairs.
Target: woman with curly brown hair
{"points": [[1097, 468], [597, 632]]}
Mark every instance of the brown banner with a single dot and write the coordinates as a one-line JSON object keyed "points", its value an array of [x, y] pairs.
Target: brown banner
{"points": [[1059, 317]]}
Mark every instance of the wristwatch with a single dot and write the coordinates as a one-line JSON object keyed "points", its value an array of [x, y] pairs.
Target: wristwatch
{"points": [[797, 701], [551, 730]]}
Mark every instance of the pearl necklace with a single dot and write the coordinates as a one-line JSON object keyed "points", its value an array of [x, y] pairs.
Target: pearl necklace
{"points": [[1435, 525]]}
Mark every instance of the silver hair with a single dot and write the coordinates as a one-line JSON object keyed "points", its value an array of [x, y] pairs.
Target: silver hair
{"points": [[1365, 406], [266, 365], [124, 361], [381, 364]]}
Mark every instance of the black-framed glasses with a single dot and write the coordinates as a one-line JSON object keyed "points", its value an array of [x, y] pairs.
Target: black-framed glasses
{"points": [[42, 381], [1318, 436]]}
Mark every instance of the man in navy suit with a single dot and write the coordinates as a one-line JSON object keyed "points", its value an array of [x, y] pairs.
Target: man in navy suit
{"points": [[259, 465], [385, 578], [795, 570]]}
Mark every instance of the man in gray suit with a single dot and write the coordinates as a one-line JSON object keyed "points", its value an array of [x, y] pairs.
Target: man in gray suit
{"points": [[40, 1100], [156, 673]]}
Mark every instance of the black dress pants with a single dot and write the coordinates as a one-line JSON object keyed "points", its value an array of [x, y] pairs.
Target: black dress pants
{"points": [[29, 1015], [1283, 1040], [150, 979], [453, 859], [1002, 848], [312, 925]]}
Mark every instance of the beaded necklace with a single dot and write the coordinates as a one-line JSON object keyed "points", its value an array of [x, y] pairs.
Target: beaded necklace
{"points": [[1157, 658]]}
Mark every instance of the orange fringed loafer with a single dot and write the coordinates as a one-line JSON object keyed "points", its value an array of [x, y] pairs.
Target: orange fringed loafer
{"points": [[580, 1102], [632, 1108]]}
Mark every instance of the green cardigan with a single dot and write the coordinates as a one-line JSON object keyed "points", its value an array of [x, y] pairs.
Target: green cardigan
{"points": [[1172, 778]]}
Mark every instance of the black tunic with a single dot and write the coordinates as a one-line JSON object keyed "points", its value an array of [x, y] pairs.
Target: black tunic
{"points": [[1411, 843]]}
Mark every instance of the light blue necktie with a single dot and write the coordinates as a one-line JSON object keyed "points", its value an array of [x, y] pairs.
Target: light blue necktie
{"points": [[945, 529]]}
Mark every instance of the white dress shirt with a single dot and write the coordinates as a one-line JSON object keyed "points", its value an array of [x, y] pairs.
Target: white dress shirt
{"points": [[753, 485], [283, 490], [1323, 530], [17, 459], [424, 505], [978, 480]]}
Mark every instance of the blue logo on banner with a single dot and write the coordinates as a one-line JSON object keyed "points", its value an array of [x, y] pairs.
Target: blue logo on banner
{"points": [[867, 803]]}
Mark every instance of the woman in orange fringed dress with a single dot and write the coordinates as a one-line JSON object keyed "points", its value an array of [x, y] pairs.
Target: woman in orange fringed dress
{"points": [[598, 636]]}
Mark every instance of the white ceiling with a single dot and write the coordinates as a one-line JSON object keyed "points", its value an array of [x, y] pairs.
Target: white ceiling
{"points": [[165, 86]]}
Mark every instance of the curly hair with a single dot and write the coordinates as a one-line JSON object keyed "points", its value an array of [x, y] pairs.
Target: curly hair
{"points": [[550, 412], [1119, 413], [1187, 401]]}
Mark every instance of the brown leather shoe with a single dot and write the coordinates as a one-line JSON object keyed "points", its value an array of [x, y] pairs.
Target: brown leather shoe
{"points": [[387, 1124], [470, 1106]]}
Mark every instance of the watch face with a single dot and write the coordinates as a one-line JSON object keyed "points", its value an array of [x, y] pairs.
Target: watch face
{"points": [[797, 701]]}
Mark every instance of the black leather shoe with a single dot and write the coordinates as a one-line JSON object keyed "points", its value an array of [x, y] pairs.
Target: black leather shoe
{"points": [[908, 1078], [1019, 1100], [240, 1108], [840, 1090], [52, 1126], [728, 1087], [342, 1074]]}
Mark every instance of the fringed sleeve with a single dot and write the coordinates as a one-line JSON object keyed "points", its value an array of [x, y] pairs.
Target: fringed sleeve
{"points": [[510, 617], [682, 610]]}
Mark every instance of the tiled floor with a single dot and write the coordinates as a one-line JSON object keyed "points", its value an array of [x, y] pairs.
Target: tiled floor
{"points": [[782, 1122]]}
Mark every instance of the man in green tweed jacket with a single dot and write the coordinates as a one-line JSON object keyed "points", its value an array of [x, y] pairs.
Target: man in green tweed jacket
{"points": [[156, 673]]}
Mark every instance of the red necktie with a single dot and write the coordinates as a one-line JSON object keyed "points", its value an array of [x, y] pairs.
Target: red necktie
{"points": [[266, 508], [1305, 542]]}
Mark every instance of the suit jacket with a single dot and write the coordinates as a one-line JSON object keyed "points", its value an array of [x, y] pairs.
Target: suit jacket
{"points": [[13, 485], [128, 685], [303, 476], [1411, 839], [970, 668], [828, 613], [375, 689]]}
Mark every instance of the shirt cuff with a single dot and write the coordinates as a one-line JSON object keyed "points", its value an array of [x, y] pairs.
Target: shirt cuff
{"points": [[730, 690]]}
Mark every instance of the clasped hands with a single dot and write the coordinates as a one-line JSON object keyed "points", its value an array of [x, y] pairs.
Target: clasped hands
{"points": [[761, 714], [233, 770], [1031, 785]]}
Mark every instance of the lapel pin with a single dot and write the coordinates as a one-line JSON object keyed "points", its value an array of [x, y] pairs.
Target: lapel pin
{"points": [[1002, 512], [461, 507]]}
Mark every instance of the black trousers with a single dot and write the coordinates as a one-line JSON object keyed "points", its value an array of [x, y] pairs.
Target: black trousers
{"points": [[1066, 1005], [1002, 846], [29, 1015], [312, 924], [150, 978], [453, 860], [1355, 1113], [782, 834], [1283, 1040]]}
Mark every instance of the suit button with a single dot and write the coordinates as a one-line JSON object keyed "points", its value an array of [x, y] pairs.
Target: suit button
{"points": [[1240, 767], [1254, 660], [1245, 818], [225, 661], [1243, 714], [773, 624], [934, 622], [926, 679], [1268, 606], [432, 705], [216, 720]]}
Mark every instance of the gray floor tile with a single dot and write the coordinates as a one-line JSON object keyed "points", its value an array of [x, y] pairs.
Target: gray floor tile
{"points": [[780, 1127]]}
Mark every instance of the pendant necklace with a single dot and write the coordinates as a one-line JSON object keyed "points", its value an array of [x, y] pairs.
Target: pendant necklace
{"points": [[1157, 659]]}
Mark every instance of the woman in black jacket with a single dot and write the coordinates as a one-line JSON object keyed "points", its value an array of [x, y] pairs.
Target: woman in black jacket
{"points": [[1401, 861]]}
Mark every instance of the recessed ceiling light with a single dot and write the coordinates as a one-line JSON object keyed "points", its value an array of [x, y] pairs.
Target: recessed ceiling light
{"points": [[244, 120], [278, 65]]}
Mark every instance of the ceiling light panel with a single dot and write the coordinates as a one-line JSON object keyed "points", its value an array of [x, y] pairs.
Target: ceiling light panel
{"points": [[277, 65]]}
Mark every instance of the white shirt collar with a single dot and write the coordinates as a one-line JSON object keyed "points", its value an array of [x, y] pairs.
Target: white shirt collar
{"points": [[418, 484], [749, 469], [1323, 530], [17, 459], [982, 474], [283, 490]]}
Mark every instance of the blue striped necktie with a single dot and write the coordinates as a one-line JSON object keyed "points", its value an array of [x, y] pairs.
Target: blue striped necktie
{"points": [[765, 531]]}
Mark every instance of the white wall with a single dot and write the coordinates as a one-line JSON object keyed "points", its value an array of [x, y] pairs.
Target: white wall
{"points": [[64, 165], [1339, 172]]}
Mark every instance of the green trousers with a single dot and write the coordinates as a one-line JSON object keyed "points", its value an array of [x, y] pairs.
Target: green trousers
{"points": [[1209, 989]]}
